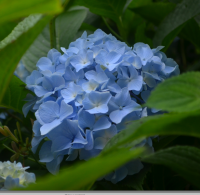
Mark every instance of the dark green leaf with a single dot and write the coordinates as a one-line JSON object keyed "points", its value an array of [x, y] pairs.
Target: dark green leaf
{"points": [[178, 94], [182, 13], [140, 35], [112, 9], [80, 175], [16, 9], [14, 95], [154, 12], [6, 29], [184, 160]]}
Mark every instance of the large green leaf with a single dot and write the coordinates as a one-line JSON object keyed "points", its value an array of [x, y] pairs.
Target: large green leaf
{"points": [[182, 13], [21, 28], [178, 94], [166, 124], [185, 160], [112, 9], [38, 49], [15, 93], [15, 9], [67, 25], [154, 12], [12, 53], [80, 175], [6, 29]]}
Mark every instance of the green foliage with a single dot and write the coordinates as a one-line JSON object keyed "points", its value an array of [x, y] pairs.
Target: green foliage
{"points": [[181, 14], [14, 95], [177, 94], [38, 49], [80, 175], [16, 9], [72, 20], [112, 9], [16, 49], [166, 124], [184, 160]]}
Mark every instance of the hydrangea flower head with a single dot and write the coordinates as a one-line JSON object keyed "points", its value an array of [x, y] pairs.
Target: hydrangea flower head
{"points": [[91, 92], [14, 175]]}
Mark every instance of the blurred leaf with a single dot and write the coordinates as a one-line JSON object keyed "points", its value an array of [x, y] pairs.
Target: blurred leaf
{"points": [[166, 124], [6, 29], [16, 9], [14, 95], [67, 25], [136, 181], [38, 49], [154, 12], [12, 53], [191, 32], [139, 3], [182, 13], [185, 160], [140, 35], [177, 94], [21, 28], [80, 175], [112, 9]]}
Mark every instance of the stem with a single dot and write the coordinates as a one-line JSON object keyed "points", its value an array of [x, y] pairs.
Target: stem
{"points": [[8, 148], [18, 119], [111, 30], [19, 131], [52, 33]]}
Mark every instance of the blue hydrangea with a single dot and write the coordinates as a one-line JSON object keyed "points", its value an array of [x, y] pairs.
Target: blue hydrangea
{"points": [[91, 92]]}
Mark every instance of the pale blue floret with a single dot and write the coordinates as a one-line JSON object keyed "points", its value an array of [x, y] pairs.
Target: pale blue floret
{"points": [[109, 60], [121, 105], [96, 102], [50, 115]]}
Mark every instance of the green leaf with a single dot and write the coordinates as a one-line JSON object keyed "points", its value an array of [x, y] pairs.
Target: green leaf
{"points": [[38, 49], [80, 175], [139, 3], [12, 53], [16, 9], [22, 27], [182, 13], [154, 12], [166, 124], [15, 93], [191, 32], [112, 9], [185, 160], [177, 94], [6, 29], [67, 25], [140, 35]]}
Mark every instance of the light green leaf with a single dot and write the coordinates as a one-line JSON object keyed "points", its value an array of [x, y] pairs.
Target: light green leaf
{"points": [[112, 9], [185, 160], [12, 53], [16, 9], [38, 49], [15, 93], [177, 94], [67, 25], [166, 124], [182, 13], [82, 174]]}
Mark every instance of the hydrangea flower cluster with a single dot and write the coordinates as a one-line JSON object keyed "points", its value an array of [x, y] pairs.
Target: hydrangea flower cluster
{"points": [[14, 175], [91, 92]]}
